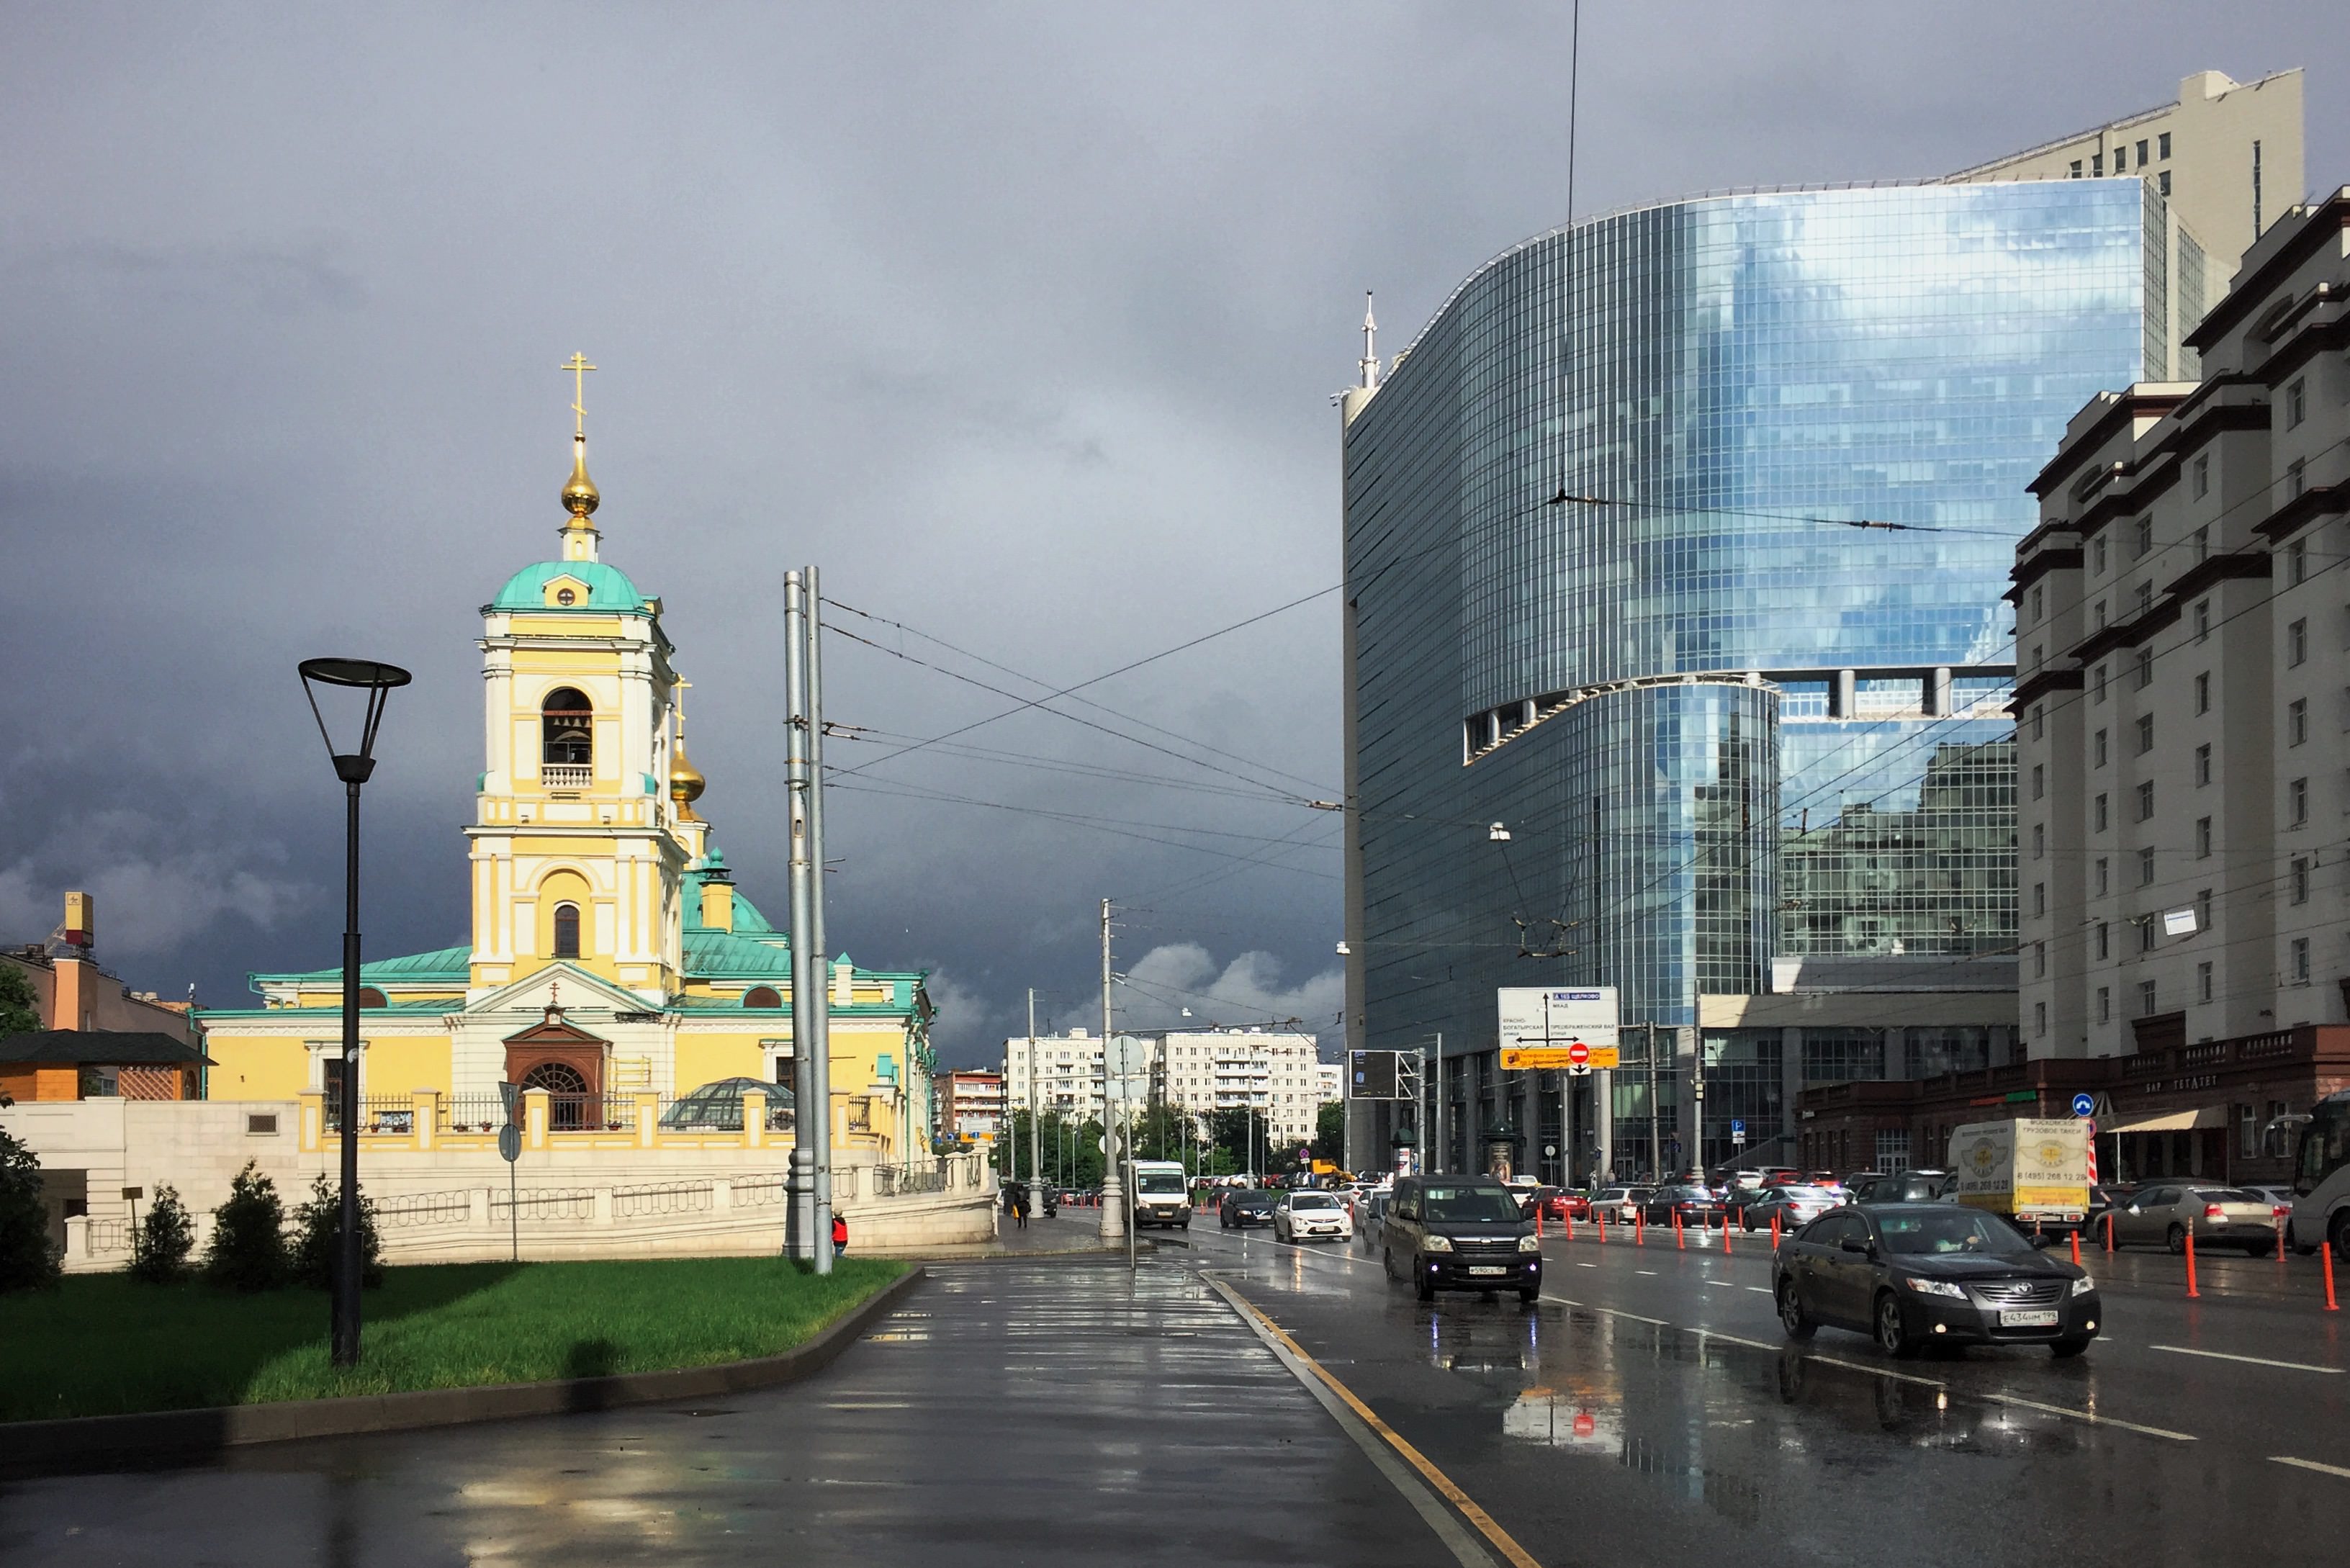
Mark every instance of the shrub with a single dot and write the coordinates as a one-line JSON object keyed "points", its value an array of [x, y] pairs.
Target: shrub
{"points": [[248, 1245], [318, 1234], [159, 1251], [26, 1258]]}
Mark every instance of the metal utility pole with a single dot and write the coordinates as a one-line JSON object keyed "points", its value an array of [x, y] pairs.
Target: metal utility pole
{"points": [[820, 1041], [808, 1233], [1656, 1149], [1113, 1203], [1031, 1088], [1440, 1116]]}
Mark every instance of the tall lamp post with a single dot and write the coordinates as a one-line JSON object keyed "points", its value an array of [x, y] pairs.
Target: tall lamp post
{"points": [[374, 682]]}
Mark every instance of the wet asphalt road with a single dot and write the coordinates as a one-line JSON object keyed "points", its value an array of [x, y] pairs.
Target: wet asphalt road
{"points": [[1651, 1410], [1013, 1412], [1648, 1411]]}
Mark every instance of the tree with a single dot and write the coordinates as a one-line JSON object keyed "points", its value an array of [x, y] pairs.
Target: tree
{"points": [[1330, 1132], [248, 1246], [20, 1009], [25, 1259], [160, 1248], [318, 1239], [1165, 1132]]}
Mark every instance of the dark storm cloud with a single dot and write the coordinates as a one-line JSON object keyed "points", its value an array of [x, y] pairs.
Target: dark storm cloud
{"points": [[1021, 321]]}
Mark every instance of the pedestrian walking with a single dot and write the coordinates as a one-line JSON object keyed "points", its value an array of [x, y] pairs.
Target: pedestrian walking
{"points": [[839, 1233], [1020, 1209]]}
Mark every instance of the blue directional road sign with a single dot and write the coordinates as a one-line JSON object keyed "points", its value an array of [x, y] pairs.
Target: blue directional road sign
{"points": [[2084, 1105]]}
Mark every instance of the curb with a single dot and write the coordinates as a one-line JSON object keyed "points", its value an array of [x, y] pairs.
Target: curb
{"points": [[102, 1442]]}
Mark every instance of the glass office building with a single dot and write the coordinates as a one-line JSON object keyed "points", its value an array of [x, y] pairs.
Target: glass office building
{"points": [[1619, 579]]}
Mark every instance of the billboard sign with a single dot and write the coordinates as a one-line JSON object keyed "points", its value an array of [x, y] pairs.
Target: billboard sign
{"points": [[1547, 1017]]}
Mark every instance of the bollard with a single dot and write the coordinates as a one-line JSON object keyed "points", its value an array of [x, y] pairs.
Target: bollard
{"points": [[2076, 1249], [1639, 1227], [1570, 1224], [2283, 1224], [1681, 1237], [2192, 1291], [1725, 1232], [2109, 1230], [1603, 1227], [1537, 1221], [2326, 1249], [1774, 1232]]}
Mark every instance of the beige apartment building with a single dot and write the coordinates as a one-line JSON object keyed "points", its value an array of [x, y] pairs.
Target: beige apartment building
{"points": [[1276, 1071], [2183, 724], [2226, 156]]}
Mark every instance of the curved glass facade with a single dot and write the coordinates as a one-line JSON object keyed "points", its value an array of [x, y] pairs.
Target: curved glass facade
{"points": [[1601, 589]]}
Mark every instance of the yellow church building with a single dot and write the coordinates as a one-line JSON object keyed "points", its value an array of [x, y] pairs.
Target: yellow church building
{"points": [[611, 952]]}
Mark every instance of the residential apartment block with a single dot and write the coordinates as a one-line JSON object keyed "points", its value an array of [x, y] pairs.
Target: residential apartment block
{"points": [[1277, 1070], [2183, 725], [970, 1106]]}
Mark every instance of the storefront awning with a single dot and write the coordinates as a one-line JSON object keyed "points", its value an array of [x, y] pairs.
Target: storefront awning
{"points": [[2173, 1121]]}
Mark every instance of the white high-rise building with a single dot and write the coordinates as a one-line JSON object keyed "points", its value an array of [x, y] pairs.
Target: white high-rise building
{"points": [[1277, 1070]]}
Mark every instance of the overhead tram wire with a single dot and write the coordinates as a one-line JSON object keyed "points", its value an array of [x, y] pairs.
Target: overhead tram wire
{"points": [[1083, 702], [858, 733], [1023, 704]]}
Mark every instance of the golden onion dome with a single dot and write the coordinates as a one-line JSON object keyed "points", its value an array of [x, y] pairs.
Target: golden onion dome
{"points": [[580, 497], [685, 783]]}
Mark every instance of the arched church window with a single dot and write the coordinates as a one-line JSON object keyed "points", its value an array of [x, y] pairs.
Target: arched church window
{"points": [[568, 726], [761, 996], [567, 930]]}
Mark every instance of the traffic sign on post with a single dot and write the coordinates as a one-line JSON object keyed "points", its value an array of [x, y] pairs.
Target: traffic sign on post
{"points": [[2085, 1105]]}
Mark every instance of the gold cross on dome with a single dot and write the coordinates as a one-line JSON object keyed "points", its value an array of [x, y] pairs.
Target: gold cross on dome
{"points": [[579, 367]]}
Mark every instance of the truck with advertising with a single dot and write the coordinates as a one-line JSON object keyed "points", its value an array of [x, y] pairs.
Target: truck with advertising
{"points": [[2032, 1169], [1160, 1193]]}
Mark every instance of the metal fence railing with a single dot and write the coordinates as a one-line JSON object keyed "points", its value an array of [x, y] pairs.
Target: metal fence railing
{"points": [[759, 1191], [541, 1203], [668, 1197], [472, 1113], [408, 1211], [590, 1112], [904, 1180]]}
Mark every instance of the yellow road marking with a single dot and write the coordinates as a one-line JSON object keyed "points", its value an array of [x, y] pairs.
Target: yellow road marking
{"points": [[1486, 1524]]}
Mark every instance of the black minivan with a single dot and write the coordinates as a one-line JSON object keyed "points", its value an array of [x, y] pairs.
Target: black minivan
{"points": [[1459, 1233]]}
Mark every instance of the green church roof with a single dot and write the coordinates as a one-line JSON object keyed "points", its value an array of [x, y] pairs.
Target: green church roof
{"points": [[443, 966], [609, 589]]}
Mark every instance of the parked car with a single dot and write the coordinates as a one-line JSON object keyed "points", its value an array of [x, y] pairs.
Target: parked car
{"points": [[1907, 1186], [2280, 1196], [1370, 1218], [1245, 1206], [2222, 1216], [1793, 1206], [1697, 1206], [1914, 1274], [1459, 1233], [1311, 1216], [1619, 1203]]}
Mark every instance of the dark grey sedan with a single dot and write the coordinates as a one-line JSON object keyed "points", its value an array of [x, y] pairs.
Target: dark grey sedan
{"points": [[1912, 1274]]}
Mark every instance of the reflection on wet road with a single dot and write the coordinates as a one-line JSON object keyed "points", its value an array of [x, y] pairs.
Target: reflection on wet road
{"points": [[1650, 1409], [1008, 1413]]}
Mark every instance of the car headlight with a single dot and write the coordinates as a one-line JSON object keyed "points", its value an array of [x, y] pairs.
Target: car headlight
{"points": [[1530, 1244], [1936, 1288], [2084, 1285], [1436, 1244]]}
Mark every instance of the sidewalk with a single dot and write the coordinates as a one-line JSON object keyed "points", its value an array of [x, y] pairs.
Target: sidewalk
{"points": [[1074, 1231]]}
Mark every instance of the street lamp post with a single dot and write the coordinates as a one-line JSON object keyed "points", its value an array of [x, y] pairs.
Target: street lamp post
{"points": [[375, 681]]}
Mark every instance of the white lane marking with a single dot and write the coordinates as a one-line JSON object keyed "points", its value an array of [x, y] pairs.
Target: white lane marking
{"points": [[2091, 1416], [2308, 1464], [2254, 1360], [1733, 1339], [1581, 1265], [1650, 1273], [1884, 1372], [1759, 1289], [868, 1404], [1723, 1284], [1610, 1312]]}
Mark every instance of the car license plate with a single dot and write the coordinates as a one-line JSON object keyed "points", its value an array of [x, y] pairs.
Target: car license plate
{"points": [[2040, 1318], [1486, 1269]]}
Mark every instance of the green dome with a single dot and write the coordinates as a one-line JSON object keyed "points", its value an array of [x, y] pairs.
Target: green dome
{"points": [[608, 588]]}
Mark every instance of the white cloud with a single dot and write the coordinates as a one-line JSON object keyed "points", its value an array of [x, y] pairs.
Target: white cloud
{"points": [[1247, 989]]}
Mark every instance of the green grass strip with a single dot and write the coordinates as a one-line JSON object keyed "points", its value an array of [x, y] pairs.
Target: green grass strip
{"points": [[102, 1345]]}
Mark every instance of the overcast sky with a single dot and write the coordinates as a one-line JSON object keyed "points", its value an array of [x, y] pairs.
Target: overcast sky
{"points": [[1021, 322]]}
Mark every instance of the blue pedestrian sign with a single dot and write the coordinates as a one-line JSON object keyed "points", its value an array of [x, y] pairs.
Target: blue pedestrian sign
{"points": [[2085, 1105]]}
